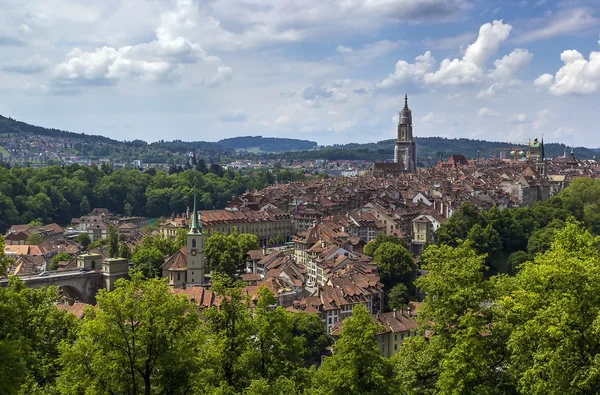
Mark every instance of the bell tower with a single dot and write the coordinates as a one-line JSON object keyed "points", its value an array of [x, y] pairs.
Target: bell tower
{"points": [[196, 269], [405, 151]]}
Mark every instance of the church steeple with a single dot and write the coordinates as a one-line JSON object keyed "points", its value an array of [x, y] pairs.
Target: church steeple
{"points": [[195, 226], [195, 251]]}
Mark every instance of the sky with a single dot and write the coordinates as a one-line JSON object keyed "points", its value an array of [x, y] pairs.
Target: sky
{"points": [[331, 71]]}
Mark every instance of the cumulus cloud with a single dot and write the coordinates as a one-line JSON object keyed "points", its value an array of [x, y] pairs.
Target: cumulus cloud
{"points": [[33, 65], [486, 112], [578, 75], [223, 74], [157, 60], [469, 69], [233, 116], [518, 118], [409, 71], [511, 64], [343, 49], [466, 70], [360, 91]]}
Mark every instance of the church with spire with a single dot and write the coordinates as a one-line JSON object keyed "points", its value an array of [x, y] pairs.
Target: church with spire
{"points": [[187, 267], [405, 148]]}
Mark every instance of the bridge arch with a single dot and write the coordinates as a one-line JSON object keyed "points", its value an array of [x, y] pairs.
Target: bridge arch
{"points": [[71, 293]]}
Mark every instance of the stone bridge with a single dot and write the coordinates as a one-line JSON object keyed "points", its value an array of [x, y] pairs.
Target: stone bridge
{"points": [[75, 285]]}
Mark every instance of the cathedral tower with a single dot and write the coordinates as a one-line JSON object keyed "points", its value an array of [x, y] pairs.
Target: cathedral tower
{"points": [[196, 269], [405, 151]]}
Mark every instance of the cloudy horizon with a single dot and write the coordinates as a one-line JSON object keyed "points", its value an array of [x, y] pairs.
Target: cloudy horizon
{"points": [[334, 72]]}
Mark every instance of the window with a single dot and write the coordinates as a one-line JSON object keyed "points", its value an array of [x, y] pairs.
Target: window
{"points": [[395, 347], [93, 264], [395, 337], [178, 276], [193, 243]]}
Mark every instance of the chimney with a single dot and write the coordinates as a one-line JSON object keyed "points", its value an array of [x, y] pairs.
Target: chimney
{"points": [[395, 314]]}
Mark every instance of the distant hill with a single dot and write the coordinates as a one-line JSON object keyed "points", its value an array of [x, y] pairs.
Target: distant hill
{"points": [[430, 149], [259, 144], [12, 126]]}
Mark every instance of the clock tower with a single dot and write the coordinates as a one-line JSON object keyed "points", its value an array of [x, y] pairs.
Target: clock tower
{"points": [[195, 251]]}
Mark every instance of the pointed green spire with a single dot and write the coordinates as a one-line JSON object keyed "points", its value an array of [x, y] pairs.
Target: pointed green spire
{"points": [[194, 227], [572, 151]]}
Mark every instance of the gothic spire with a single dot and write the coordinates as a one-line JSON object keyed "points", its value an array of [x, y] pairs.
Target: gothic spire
{"points": [[406, 101], [195, 226], [542, 153]]}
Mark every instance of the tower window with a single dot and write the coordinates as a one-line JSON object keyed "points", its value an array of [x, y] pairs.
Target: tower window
{"points": [[193, 243]]}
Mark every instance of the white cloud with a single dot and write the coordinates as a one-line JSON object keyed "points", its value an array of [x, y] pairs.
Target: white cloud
{"points": [[486, 112], [489, 92], [511, 64], [491, 35], [432, 117], [409, 71], [564, 22], [578, 75], [518, 118], [33, 65], [222, 74], [158, 60], [342, 49], [467, 70], [543, 80]]}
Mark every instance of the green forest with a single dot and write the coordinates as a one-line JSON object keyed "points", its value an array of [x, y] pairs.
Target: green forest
{"points": [[57, 194]]}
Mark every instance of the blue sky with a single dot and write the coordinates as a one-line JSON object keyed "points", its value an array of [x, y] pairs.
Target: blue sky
{"points": [[332, 71]]}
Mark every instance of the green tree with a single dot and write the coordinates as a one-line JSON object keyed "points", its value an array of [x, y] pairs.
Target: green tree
{"points": [[226, 253], [34, 238], [141, 339], [356, 366], [462, 355], [4, 261], [31, 329], [63, 256], [230, 346], [316, 339], [124, 251], [395, 264], [83, 239], [515, 260], [397, 297], [84, 206], [278, 351], [372, 245], [148, 260], [550, 312], [113, 241]]}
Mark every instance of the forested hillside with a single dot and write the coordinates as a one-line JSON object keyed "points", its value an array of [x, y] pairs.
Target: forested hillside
{"points": [[22, 129], [56, 194]]}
